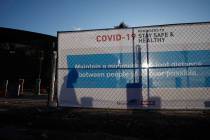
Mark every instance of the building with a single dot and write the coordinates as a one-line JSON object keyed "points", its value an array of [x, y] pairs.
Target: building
{"points": [[25, 57]]}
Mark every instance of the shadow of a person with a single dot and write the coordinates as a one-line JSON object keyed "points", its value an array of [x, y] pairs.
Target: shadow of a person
{"points": [[72, 78], [68, 94]]}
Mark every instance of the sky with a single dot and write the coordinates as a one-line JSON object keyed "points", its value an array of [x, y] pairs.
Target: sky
{"points": [[50, 16]]}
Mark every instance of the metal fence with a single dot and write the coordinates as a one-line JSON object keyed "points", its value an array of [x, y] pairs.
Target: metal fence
{"points": [[138, 68]]}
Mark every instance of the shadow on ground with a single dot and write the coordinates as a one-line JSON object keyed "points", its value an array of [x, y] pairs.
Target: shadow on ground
{"points": [[34, 120]]}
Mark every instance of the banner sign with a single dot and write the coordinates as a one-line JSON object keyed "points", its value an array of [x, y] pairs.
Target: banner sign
{"points": [[153, 67]]}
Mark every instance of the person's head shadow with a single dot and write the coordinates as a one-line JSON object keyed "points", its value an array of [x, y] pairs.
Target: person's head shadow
{"points": [[72, 78]]}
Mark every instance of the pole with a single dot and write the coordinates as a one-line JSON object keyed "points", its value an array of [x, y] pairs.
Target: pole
{"points": [[21, 85], [147, 47], [134, 72], [38, 81], [52, 83], [6, 87], [138, 47]]}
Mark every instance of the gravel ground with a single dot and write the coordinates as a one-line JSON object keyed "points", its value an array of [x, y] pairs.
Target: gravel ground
{"points": [[31, 119]]}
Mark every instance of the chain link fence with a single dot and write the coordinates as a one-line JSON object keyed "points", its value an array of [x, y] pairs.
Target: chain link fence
{"points": [[153, 67]]}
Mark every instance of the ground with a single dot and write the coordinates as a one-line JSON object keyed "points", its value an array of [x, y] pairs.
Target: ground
{"points": [[30, 119]]}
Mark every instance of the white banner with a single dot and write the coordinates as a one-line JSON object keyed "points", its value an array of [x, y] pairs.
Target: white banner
{"points": [[141, 67]]}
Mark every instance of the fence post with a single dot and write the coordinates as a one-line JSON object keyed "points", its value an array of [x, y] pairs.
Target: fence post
{"points": [[6, 86], [21, 83], [38, 85], [52, 83], [38, 81]]}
